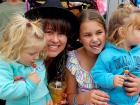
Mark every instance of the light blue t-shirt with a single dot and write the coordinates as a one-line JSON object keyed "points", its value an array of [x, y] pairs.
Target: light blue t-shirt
{"points": [[24, 91]]}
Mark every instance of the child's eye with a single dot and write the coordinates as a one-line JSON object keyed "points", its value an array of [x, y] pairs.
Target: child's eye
{"points": [[86, 34], [138, 28], [32, 53], [99, 32]]}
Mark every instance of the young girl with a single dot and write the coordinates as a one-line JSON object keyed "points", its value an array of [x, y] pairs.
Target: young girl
{"points": [[80, 84], [21, 47], [121, 53]]}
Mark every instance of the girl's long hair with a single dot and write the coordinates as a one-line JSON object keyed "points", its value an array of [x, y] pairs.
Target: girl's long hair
{"points": [[56, 69]]}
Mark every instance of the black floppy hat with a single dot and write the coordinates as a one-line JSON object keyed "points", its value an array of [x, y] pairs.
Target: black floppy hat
{"points": [[54, 9]]}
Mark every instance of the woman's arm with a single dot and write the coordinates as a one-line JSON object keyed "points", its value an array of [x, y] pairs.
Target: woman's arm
{"points": [[132, 85], [90, 97], [71, 87]]}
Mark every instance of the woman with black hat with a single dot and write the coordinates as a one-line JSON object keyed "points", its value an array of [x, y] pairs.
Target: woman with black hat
{"points": [[61, 28]]}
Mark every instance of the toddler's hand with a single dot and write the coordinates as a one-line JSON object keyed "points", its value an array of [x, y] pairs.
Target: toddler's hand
{"points": [[50, 102], [119, 80], [34, 77], [64, 100]]}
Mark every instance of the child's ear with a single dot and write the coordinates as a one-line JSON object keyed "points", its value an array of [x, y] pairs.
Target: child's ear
{"points": [[121, 32]]}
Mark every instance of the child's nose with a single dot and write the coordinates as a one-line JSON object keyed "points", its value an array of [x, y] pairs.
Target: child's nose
{"points": [[94, 38]]}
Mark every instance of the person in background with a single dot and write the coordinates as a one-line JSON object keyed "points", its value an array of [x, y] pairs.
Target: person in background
{"points": [[102, 6], [1, 1], [22, 69], [80, 86], [120, 56], [8, 9]]}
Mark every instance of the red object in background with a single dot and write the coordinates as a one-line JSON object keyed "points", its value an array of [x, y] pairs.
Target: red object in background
{"points": [[102, 7]]}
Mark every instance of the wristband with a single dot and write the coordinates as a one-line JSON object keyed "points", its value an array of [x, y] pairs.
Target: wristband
{"points": [[74, 100]]}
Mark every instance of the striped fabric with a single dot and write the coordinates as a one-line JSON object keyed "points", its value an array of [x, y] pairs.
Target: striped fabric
{"points": [[83, 77]]}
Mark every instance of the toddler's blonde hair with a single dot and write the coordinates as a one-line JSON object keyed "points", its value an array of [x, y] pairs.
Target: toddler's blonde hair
{"points": [[19, 34], [122, 17]]}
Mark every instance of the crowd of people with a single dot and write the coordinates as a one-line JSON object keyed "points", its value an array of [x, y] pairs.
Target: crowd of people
{"points": [[51, 44]]}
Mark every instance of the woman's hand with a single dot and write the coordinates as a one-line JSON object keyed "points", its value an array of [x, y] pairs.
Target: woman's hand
{"points": [[50, 102], [97, 97], [64, 101], [132, 85]]}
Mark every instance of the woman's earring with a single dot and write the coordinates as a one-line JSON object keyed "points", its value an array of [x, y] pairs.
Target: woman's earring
{"points": [[78, 40]]}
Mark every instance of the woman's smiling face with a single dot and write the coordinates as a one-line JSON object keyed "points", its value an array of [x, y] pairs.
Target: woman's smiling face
{"points": [[56, 43]]}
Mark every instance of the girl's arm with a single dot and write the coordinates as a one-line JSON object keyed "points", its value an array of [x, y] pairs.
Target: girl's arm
{"points": [[50, 102], [9, 89], [91, 97]]}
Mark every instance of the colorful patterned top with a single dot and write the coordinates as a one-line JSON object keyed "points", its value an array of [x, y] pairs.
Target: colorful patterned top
{"points": [[83, 77]]}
